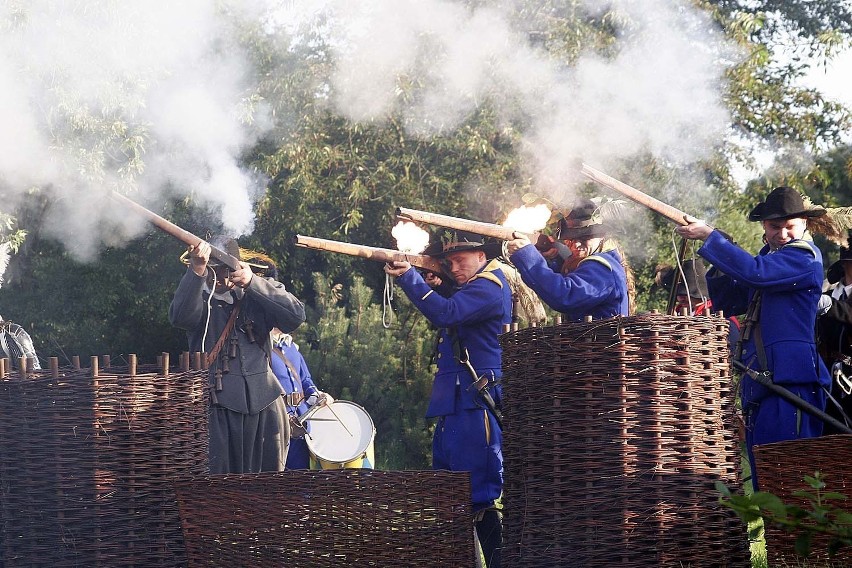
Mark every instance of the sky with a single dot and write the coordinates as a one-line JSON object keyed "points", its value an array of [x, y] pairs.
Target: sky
{"points": [[835, 79]]}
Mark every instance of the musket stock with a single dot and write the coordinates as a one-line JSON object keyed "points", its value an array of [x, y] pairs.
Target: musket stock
{"points": [[373, 253], [664, 209], [181, 234], [459, 224]]}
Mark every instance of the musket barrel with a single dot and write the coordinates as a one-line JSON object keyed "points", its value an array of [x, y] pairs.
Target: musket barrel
{"points": [[457, 223], [372, 253], [671, 213], [179, 233]]}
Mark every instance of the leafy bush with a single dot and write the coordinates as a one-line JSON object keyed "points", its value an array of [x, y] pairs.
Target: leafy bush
{"points": [[820, 513]]}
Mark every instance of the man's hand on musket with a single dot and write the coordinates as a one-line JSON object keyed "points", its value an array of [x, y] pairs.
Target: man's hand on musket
{"points": [[697, 229], [432, 279], [241, 277], [520, 241], [199, 256], [397, 268]]}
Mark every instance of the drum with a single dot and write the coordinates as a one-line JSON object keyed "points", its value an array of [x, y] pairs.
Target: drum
{"points": [[341, 437]]}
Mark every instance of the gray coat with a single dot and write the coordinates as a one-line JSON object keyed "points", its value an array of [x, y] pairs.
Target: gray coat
{"points": [[249, 386]]}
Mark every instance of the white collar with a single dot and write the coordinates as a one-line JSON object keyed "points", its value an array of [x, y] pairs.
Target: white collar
{"points": [[839, 288]]}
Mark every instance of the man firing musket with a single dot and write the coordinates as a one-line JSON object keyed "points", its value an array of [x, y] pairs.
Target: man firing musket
{"points": [[411, 240], [783, 387], [466, 394], [601, 289], [228, 313]]}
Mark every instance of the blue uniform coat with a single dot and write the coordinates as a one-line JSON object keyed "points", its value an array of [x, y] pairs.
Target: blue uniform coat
{"points": [[298, 457], [475, 314], [467, 437], [790, 281], [597, 287]]}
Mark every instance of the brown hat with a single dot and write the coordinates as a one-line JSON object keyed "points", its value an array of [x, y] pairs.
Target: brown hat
{"points": [[694, 272], [226, 244], [784, 203], [583, 222]]}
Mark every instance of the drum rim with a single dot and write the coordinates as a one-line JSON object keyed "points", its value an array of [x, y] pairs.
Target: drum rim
{"points": [[362, 453]]}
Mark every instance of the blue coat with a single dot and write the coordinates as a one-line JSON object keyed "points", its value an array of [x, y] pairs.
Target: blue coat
{"points": [[302, 382], [474, 316], [597, 287], [791, 282]]}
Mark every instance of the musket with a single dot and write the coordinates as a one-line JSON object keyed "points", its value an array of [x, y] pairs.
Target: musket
{"points": [[460, 224], [500, 232], [765, 379], [423, 261], [180, 234], [671, 213]]}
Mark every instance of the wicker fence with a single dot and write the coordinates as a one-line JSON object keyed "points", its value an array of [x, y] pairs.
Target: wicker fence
{"points": [[87, 462], [615, 433], [783, 467], [348, 517]]}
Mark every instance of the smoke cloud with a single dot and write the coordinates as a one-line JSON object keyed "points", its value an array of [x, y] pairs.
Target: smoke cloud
{"points": [[661, 93], [78, 77]]}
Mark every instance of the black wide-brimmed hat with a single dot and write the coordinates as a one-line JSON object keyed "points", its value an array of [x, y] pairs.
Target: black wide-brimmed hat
{"points": [[583, 222], [835, 271], [784, 203], [695, 279], [460, 241]]}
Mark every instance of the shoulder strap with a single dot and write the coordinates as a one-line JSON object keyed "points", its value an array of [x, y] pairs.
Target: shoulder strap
{"points": [[800, 244], [289, 365], [225, 333], [600, 259], [488, 273], [751, 328]]}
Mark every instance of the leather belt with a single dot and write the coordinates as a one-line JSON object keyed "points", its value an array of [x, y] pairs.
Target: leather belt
{"points": [[293, 399]]}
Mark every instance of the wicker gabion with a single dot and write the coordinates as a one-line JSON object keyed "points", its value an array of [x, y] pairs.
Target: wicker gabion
{"points": [[87, 461], [615, 433], [315, 519], [782, 467]]}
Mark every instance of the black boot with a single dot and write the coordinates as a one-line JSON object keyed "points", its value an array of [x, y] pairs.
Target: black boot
{"points": [[489, 530]]}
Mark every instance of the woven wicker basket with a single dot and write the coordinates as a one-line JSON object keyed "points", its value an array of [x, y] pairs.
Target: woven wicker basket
{"points": [[333, 518], [615, 433], [783, 467], [87, 464]]}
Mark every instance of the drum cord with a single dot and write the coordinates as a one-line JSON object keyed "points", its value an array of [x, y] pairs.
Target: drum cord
{"points": [[387, 298]]}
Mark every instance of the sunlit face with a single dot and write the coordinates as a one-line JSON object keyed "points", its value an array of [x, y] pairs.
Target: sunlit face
{"points": [[463, 265], [779, 232], [581, 248]]}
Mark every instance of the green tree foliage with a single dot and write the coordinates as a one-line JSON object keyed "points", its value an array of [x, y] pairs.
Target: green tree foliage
{"points": [[117, 305], [343, 181], [334, 178], [353, 357], [782, 40], [815, 512]]}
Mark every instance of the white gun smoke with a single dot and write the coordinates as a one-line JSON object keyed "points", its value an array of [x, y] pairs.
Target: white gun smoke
{"points": [[175, 76]]}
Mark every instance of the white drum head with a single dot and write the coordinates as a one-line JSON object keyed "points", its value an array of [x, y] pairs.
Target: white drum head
{"points": [[328, 438]]}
